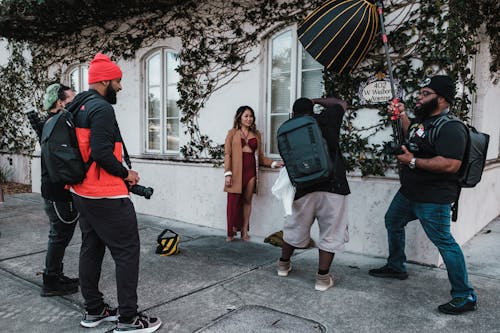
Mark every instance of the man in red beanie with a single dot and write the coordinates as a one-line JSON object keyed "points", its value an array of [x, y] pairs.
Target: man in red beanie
{"points": [[107, 215]]}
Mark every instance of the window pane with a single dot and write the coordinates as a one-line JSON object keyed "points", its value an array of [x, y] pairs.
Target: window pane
{"points": [[172, 98], [281, 53], [85, 79], [172, 131], [312, 84], [154, 70], [172, 63], [276, 121], [154, 134], [308, 61], [280, 93], [154, 96], [74, 80]]}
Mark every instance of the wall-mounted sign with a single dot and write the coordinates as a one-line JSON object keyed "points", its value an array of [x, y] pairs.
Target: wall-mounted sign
{"points": [[377, 89]]}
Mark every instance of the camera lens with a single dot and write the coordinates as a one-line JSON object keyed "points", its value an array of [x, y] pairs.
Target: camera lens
{"points": [[145, 192]]}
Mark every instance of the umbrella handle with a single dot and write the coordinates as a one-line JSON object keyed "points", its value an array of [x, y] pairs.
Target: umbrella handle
{"points": [[385, 41]]}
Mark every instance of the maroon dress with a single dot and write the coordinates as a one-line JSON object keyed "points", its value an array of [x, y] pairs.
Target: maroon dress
{"points": [[235, 200]]}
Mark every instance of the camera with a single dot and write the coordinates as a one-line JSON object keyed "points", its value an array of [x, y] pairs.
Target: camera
{"points": [[35, 121], [393, 148], [143, 191]]}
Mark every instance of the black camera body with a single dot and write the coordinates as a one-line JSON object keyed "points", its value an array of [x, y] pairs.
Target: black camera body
{"points": [[143, 191], [35, 121], [393, 148]]}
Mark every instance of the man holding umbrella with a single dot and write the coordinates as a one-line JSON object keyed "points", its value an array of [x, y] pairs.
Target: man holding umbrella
{"points": [[429, 184]]}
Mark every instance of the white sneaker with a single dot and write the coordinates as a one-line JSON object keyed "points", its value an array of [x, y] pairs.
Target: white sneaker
{"points": [[107, 314], [284, 267], [324, 282], [140, 324]]}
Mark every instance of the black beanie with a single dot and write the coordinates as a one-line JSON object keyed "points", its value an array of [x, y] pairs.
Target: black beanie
{"points": [[303, 106], [443, 85]]}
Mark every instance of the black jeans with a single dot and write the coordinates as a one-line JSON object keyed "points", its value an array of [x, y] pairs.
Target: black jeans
{"points": [[110, 223], [60, 235]]}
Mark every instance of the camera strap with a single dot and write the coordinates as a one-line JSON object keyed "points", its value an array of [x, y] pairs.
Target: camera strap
{"points": [[126, 156]]}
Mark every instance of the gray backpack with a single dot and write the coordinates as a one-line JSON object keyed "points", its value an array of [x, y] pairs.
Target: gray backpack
{"points": [[304, 151], [475, 152]]}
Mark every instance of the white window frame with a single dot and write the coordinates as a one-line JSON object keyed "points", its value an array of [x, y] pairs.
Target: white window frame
{"points": [[295, 77], [164, 84], [82, 70]]}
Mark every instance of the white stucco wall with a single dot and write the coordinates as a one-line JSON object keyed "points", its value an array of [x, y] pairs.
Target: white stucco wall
{"points": [[486, 115], [17, 167]]}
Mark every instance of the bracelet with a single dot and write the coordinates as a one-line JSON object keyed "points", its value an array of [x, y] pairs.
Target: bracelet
{"points": [[273, 165], [228, 173]]}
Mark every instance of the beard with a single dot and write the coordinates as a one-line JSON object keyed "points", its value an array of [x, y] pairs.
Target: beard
{"points": [[110, 95], [425, 110]]}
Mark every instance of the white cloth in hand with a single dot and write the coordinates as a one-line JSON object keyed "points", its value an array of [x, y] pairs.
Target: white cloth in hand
{"points": [[284, 191]]}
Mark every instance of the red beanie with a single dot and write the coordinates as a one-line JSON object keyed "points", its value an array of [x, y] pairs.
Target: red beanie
{"points": [[103, 69]]}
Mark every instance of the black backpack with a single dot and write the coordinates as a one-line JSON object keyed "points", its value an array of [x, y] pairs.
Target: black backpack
{"points": [[304, 151], [60, 152], [474, 160]]}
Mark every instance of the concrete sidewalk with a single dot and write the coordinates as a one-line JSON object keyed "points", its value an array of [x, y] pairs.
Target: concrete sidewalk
{"points": [[214, 286]]}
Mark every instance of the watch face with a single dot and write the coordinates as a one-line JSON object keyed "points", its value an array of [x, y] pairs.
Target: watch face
{"points": [[412, 164]]}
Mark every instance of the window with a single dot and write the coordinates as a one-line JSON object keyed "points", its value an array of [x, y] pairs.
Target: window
{"points": [[162, 112], [292, 73], [79, 78]]}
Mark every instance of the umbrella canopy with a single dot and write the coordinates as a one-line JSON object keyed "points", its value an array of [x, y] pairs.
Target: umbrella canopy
{"points": [[339, 33]]}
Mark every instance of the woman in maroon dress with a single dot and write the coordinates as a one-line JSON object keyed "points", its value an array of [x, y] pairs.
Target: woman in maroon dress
{"points": [[243, 143]]}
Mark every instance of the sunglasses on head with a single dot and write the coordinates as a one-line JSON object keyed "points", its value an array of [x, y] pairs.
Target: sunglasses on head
{"points": [[425, 82]]}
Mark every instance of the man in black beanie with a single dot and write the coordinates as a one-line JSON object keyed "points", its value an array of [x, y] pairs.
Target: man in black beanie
{"points": [[429, 185]]}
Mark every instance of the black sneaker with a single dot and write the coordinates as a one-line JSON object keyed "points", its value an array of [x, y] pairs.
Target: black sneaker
{"points": [[92, 320], [52, 286], [387, 272], [67, 280], [459, 305], [140, 324]]}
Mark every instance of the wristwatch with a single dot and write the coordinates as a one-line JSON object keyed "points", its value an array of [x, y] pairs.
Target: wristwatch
{"points": [[412, 165]]}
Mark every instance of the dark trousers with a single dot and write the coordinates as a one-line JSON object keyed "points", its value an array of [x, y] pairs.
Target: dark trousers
{"points": [[110, 223], [60, 235]]}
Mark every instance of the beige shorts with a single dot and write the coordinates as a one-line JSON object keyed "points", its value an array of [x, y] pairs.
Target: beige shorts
{"points": [[330, 209]]}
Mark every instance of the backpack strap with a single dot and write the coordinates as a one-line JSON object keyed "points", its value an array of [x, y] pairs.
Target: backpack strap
{"points": [[436, 126], [126, 156], [74, 111], [454, 206], [49, 126]]}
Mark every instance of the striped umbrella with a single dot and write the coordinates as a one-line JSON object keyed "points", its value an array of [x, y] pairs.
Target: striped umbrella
{"points": [[339, 33]]}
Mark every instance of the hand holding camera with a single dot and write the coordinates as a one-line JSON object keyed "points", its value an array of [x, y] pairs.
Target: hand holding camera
{"points": [[132, 177], [132, 180]]}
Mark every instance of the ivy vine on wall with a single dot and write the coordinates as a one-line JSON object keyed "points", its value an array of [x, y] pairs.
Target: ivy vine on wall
{"points": [[15, 91], [219, 39]]}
